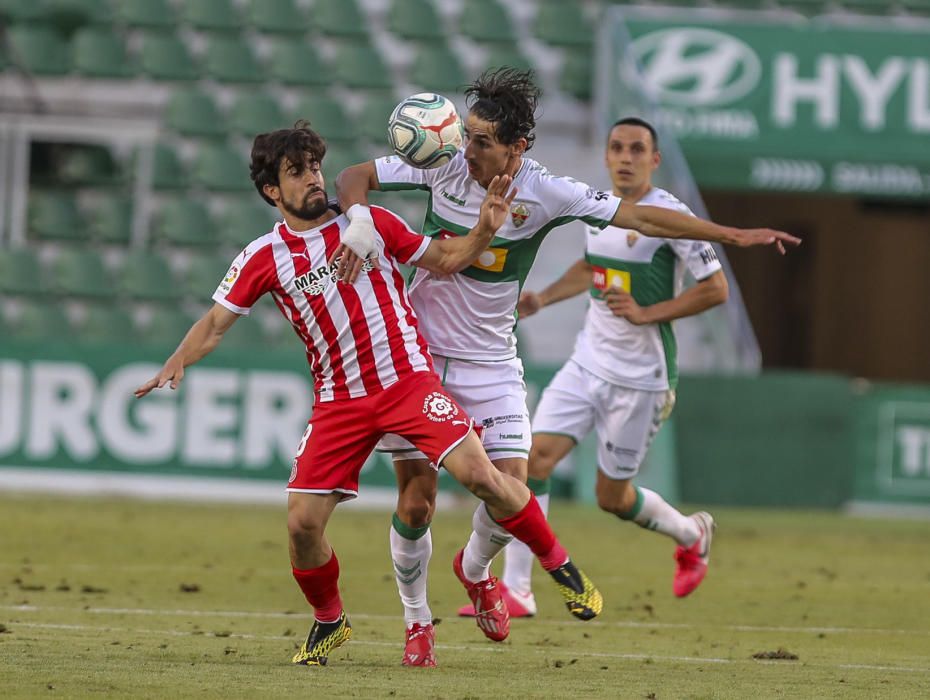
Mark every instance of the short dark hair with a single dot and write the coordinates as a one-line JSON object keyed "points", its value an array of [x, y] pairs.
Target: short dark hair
{"points": [[636, 121], [268, 150], [508, 98]]}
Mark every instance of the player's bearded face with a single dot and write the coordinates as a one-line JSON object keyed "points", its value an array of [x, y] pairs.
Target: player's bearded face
{"points": [[303, 191], [308, 205]]}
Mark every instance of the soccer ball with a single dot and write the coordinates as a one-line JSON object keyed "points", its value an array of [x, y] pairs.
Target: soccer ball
{"points": [[425, 130]]}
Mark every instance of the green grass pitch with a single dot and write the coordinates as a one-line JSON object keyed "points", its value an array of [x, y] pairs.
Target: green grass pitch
{"points": [[128, 599]]}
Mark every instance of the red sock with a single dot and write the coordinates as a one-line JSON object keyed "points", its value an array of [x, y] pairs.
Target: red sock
{"points": [[321, 587], [530, 527]]}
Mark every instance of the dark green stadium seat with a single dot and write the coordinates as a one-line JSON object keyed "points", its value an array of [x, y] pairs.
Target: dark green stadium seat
{"points": [[165, 57], [39, 49], [203, 276], [167, 327], [168, 173], [576, 76], [337, 161], [256, 113], [920, 8], [54, 215], [297, 62], [19, 11], [191, 112], [229, 59], [86, 164], [339, 18], [147, 276], [219, 167], [507, 55], [373, 120], [243, 220], [562, 24], [486, 21], [277, 17], [437, 68], [415, 19], [21, 272], [214, 15], [867, 7], [110, 220], [70, 14], [99, 53], [808, 8], [149, 14], [41, 320], [105, 324], [327, 117], [360, 66], [184, 222], [81, 273]]}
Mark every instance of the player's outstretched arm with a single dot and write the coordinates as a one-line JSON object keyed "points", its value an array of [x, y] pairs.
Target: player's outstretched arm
{"points": [[573, 282], [201, 339], [665, 223], [449, 255], [358, 239]]}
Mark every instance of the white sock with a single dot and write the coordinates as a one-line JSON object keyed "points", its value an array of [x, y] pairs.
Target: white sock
{"points": [[653, 513], [486, 541], [518, 558], [411, 559]]}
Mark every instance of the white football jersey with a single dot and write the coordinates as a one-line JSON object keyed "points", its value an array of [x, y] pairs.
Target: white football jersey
{"points": [[471, 314], [639, 357]]}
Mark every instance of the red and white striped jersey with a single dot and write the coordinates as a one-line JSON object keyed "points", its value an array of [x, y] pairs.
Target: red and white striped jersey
{"points": [[360, 338]]}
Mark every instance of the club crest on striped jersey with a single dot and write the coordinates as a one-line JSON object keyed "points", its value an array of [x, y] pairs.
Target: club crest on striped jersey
{"points": [[439, 408], [631, 238], [519, 213]]}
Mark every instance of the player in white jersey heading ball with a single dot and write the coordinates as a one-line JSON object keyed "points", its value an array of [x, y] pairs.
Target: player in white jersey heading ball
{"points": [[468, 317], [621, 378], [372, 374]]}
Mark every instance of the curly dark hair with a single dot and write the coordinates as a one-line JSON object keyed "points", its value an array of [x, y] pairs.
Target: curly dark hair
{"points": [[294, 144], [508, 98]]}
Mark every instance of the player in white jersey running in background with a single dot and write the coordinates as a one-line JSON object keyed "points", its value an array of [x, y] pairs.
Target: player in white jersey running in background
{"points": [[372, 374], [468, 317], [621, 378]]}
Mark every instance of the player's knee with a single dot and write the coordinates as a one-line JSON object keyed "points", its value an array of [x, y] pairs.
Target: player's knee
{"points": [[304, 529], [482, 479], [617, 498], [542, 462], [416, 511]]}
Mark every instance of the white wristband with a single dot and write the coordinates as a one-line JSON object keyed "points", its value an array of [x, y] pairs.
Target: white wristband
{"points": [[360, 211]]}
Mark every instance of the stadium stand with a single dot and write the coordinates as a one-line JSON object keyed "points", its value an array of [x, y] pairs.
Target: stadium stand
{"points": [[212, 73]]}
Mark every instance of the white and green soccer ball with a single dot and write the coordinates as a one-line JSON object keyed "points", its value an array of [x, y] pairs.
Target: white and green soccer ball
{"points": [[425, 130]]}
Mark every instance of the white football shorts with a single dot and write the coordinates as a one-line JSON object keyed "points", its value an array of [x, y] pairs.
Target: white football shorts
{"points": [[493, 394], [626, 420]]}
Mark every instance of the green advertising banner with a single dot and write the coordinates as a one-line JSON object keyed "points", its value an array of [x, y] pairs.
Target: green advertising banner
{"points": [[237, 415], [802, 106], [893, 449]]}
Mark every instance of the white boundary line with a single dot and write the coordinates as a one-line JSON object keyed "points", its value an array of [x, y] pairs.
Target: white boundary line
{"points": [[632, 624], [483, 648], [179, 487]]}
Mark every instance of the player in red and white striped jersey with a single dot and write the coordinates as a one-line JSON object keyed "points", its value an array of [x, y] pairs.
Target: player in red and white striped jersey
{"points": [[372, 372]]}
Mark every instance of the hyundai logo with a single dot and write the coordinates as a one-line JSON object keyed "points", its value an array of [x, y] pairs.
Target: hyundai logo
{"points": [[694, 67]]}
